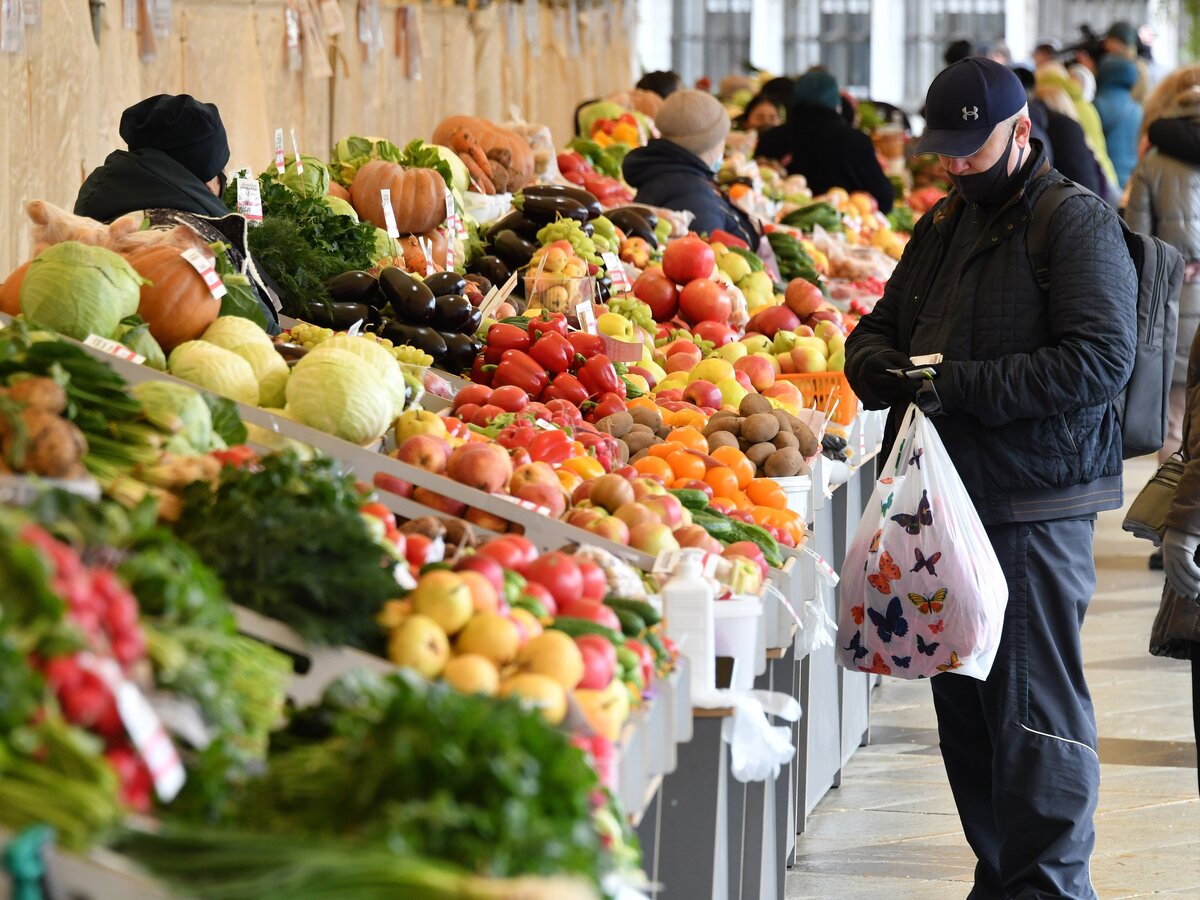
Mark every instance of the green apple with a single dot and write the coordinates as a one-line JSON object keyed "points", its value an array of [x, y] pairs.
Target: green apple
{"points": [[837, 361]]}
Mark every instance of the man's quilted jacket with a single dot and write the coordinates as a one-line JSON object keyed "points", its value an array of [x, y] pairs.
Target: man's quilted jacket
{"points": [[1029, 376]]}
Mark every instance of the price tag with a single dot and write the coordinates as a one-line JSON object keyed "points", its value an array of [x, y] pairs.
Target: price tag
{"points": [[206, 267], [616, 273], [32, 11], [145, 729], [296, 152], [545, 425], [524, 504], [249, 199], [586, 315], [426, 246], [449, 232], [450, 210], [279, 163], [389, 214], [331, 17], [860, 426], [621, 351], [666, 562], [826, 571], [120, 351]]}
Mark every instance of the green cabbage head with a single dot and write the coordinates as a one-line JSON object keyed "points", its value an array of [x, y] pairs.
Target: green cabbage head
{"points": [[313, 182], [216, 369], [77, 289], [338, 392], [167, 400]]}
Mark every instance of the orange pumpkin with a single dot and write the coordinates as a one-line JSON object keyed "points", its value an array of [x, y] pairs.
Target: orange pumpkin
{"points": [[10, 291], [414, 256], [336, 190], [418, 196], [492, 137], [177, 304]]}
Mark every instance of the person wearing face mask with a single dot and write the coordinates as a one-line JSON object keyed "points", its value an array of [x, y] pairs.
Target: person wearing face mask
{"points": [[174, 170], [678, 170], [1023, 400]]}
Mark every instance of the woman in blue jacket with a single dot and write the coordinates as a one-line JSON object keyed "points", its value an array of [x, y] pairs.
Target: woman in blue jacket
{"points": [[678, 170], [1120, 114]]}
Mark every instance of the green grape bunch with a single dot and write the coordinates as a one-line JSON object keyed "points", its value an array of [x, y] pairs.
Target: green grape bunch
{"points": [[308, 335], [634, 310], [572, 232], [412, 356]]}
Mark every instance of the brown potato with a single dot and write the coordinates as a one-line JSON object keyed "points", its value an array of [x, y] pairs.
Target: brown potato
{"points": [[759, 427], [754, 403], [618, 424], [806, 441], [721, 439], [783, 463], [785, 419], [785, 440], [759, 453], [648, 417]]}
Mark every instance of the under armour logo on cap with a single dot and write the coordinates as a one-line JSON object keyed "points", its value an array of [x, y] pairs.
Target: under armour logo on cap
{"points": [[965, 103]]}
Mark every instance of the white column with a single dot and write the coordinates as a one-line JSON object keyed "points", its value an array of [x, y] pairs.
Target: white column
{"points": [[766, 35], [654, 24], [1019, 24], [887, 51]]}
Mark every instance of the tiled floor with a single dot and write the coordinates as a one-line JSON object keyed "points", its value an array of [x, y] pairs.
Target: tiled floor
{"points": [[891, 831]]}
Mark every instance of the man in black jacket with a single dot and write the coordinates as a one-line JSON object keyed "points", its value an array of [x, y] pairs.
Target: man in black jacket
{"points": [[1023, 399]]}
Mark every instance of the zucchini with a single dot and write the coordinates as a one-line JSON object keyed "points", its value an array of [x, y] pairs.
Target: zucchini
{"points": [[573, 626], [632, 624], [640, 608], [694, 500]]}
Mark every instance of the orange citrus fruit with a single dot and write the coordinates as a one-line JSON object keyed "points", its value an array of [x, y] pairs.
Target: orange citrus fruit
{"points": [[765, 492], [686, 465], [689, 437], [738, 461], [653, 465]]}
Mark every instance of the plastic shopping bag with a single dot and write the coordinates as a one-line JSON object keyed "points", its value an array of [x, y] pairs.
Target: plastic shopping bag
{"points": [[922, 590]]}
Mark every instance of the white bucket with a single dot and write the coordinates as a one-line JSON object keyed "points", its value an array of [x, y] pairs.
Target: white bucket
{"points": [[739, 634]]}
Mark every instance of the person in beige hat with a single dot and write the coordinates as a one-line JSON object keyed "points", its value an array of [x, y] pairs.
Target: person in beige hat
{"points": [[678, 170]]}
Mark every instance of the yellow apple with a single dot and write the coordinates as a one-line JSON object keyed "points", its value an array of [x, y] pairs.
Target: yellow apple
{"points": [[714, 370], [732, 352], [732, 392]]}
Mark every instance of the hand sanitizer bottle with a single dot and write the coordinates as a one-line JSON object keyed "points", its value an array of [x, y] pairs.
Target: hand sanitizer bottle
{"points": [[688, 613]]}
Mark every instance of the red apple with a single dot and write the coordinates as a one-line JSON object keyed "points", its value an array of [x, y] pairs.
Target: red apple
{"points": [[647, 486], [682, 345], [670, 395], [771, 320], [599, 661], [696, 536], [670, 511], [704, 300], [485, 520], [744, 380], [585, 516], [748, 550], [581, 493], [758, 368], [533, 473], [803, 297], [695, 485], [702, 393], [485, 467], [785, 392], [549, 496], [434, 500], [687, 259], [485, 566], [610, 528], [652, 538], [651, 380], [787, 365]]}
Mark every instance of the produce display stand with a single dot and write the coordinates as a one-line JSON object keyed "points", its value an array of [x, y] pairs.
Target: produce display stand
{"points": [[96, 875]]}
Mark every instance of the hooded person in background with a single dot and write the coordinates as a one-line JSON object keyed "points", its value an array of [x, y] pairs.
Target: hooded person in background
{"points": [[1089, 120], [762, 114], [1120, 114], [678, 170], [1069, 152], [174, 171], [817, 144], [1121, 39]]}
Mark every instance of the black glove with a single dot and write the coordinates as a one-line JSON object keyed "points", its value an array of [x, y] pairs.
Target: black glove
{"points": [[877, 387]]}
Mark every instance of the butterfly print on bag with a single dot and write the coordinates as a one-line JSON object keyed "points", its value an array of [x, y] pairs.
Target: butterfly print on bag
{"points": [[888, 572], [927, 649], [877, 667], [952, 664], [890, 623], [856, 645], [931, 604], [914, 522], [924, 562]]}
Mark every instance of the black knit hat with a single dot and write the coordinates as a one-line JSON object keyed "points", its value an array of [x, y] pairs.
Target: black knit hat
{"points": [[182, 127]]}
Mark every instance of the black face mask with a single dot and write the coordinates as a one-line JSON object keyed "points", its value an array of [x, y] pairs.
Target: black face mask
{"points": [[993, 186]]}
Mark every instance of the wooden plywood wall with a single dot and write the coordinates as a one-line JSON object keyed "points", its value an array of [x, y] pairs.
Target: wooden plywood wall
{"points": [[61, 97]]}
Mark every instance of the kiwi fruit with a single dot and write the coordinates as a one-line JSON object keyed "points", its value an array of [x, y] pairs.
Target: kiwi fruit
{"points": [[759, 453], [759, 427], [754, 403], [783, 463]]}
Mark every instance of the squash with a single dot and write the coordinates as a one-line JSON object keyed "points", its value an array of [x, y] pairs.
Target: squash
{"points": [[492, 138], [10, 291], [414, 256], [177, 304], [418, 196], [336, 190]]}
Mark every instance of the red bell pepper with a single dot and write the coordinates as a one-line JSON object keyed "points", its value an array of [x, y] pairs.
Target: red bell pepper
{"points": [[586, 346], [602, 446], [729, 240], [547, 323], [482, 371], [518, 368], [566, 409], [566, 386], [503, 336], [598, 376], [553, 351], [553, 447], [238, 456], [603, 405], [513, 436]]}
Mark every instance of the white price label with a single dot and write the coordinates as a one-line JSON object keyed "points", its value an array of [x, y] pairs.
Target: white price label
{"points": [[120, 351], [586, 315], [205, 266], [666, 562], [524, 504], [296, 154], [616, 273], [389, 214], [279, 163], [129, 12], [448, 230], [331, 17], [622, 351], [249, 199], [449, 205], [545, 425], [427, 249]]}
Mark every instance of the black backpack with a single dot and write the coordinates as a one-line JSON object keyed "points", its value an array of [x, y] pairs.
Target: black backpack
{"points": [[1142, 404]]}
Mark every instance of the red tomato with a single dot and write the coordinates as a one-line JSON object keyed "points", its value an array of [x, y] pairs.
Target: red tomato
{"points": [[509, 398], [416, 550], [558, 573], [478, 394], [595, 583], [718, 332]]}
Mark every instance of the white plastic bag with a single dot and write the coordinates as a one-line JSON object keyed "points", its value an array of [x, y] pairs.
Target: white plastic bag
{"points": [[922, 590]]}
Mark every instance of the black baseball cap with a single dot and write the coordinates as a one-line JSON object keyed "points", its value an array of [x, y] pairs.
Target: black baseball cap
{"points": [[965, 102]]}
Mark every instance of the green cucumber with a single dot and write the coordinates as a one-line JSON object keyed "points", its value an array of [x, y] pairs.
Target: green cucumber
{"points": [[641, 608], [575, 627], [631, 623]]}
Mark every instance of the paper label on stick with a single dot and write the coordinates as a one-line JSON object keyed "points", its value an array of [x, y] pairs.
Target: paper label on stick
{"points": [[279, 162], [206, 267], [616, 273], [389, 214], [586, 315], [621, 351], [249, 199], [296, 154], [427, 249], [115, 349]]}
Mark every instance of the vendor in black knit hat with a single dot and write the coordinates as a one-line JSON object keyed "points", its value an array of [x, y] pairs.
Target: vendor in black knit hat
{"points": [[678, 170], [177, 154]]}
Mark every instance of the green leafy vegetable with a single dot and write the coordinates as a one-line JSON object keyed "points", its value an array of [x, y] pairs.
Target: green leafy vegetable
{"points": [[419, 155]]}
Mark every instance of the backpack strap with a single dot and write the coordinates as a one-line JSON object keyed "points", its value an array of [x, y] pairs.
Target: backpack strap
{"points": [[1037, 238]]}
